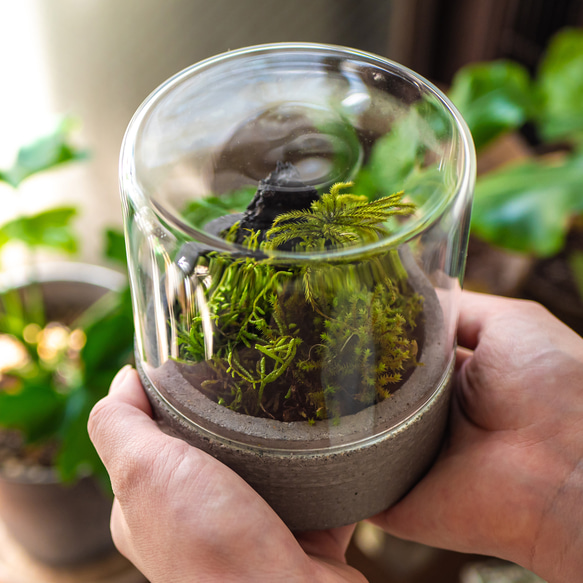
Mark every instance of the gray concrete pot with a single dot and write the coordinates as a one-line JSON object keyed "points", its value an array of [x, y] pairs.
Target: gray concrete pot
{"points": [[322, 475], [55, 523]]}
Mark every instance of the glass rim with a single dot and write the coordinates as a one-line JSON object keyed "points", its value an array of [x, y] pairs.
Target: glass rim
{"points": [[129, 184]]}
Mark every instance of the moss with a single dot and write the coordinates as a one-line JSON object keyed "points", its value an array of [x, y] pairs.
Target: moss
{"points": [[311, 341]]}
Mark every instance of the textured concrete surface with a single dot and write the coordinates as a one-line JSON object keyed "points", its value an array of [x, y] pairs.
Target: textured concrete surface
{"points": [[322, 475]]}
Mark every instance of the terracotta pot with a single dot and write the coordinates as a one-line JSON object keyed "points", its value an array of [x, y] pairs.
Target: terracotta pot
{"points": [[56, 523]]}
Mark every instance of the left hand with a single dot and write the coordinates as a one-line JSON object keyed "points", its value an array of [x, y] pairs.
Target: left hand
{"points": [[180, 515]]}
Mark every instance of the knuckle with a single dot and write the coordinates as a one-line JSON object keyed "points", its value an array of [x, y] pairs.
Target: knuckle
{"points": [[97, 415], [534, 308], [130, 473]]}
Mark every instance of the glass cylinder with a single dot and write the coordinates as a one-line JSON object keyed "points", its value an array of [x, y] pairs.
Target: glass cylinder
{"points": [[296, 222]]}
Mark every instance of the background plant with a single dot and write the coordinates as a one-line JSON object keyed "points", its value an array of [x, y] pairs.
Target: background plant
{"points": [[48, 394], [530, 206]]}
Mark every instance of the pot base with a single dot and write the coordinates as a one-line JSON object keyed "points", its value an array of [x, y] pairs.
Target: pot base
{"points": [[328, 487]]}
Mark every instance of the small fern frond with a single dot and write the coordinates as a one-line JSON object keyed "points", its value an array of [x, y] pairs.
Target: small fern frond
{"points": [[336, 220], [338, 186], [290, 216]]}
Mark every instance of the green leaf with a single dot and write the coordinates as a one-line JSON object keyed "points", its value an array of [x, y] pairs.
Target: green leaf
{"points": [[36, 409], [20, 307], [560, 84], [393, 158], [43, 154], [12, 315], [427, 187], [115, 247], [109, 344], [494, 98], [528, 207], [345, 143], [50, 228], [201, 211], [77, 455]]}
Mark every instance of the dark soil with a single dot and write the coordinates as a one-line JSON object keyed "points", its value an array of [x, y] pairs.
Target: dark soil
{"points": [[16, 456], [551, 283]]}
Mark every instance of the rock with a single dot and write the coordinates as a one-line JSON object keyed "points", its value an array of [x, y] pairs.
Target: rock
{"points": [[281, 192]]}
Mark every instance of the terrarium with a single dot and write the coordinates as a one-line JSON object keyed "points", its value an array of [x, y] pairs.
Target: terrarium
{"points": [[296, 222]]}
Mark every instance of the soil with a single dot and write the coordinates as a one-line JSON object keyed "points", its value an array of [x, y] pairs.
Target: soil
{"points": [[551, 283], [19, 459], [285, 399]]}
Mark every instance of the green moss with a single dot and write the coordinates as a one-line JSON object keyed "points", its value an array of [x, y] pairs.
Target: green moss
{"points": [[310, 341]]}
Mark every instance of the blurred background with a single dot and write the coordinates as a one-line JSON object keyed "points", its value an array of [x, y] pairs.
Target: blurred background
{"points": [[97, 60]]}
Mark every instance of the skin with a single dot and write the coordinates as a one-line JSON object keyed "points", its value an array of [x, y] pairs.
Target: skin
{"points": [[508, 483]]}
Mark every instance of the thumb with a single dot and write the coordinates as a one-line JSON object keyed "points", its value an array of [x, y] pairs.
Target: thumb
{"points": [[121, 424]]}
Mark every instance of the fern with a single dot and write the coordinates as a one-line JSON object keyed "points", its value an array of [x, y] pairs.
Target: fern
{"points": [[337, 220]]}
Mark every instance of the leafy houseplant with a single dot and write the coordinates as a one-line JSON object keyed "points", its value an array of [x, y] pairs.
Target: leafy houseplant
{"points": [[284, 273], [534, 206], [66, 329]]}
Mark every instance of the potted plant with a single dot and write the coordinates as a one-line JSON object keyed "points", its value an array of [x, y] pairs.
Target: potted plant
{"points": [[532, 207], [294, 293], [65, 329]]}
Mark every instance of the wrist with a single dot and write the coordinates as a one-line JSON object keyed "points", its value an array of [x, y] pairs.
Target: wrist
{"points": [[557, 553]]}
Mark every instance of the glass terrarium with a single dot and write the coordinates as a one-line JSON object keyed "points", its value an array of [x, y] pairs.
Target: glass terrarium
{"points": [[296, 221]]}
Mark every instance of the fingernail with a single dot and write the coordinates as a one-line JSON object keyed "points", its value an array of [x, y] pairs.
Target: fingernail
{"points": [[120, 376]]}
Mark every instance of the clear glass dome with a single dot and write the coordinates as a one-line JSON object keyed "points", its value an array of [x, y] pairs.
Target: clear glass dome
{"points": [[296, 219]]}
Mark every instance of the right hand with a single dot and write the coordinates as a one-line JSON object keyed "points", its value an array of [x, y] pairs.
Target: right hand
{"points": [[509, 482]]}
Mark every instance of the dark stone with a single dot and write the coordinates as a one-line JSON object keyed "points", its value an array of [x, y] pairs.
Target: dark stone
{"points": [[281, 192]]}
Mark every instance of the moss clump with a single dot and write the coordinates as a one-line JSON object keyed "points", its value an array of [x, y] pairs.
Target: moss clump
{"points": [[312, 340]]}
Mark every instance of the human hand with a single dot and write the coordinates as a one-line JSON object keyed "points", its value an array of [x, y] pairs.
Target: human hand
{"points": [[509, 481], [181, 516]]}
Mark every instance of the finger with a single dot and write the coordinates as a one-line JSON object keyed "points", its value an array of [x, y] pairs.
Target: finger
{"points": [[121, 424], [331, 544], [126, 387], [476, 310]]}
